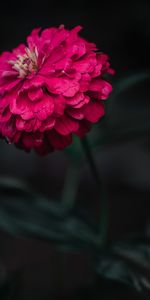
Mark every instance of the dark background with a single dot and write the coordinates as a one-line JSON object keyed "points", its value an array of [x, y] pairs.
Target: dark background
{"points": [[121, 29]]}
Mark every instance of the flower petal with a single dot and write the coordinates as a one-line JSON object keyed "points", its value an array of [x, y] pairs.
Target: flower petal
{"points": [[59, 105], [35, 94], [21, 106], [93, 111], [85, 126], [84, 82], [47, 124], [75, 113], [86, 64], [28, 126], [66, 125], [64, 86], [58, 141], [43, 108], [5, 114]]}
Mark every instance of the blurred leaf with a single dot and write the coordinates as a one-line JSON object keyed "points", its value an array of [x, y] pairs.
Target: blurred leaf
{"points": [[24, 213], [128, 262], [119, 122], [9, 290], [127, 112], [105, 289], [127, 82]]}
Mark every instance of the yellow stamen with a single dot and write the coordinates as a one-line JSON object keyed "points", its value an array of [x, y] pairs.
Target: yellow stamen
{"points": [[26, 63]]}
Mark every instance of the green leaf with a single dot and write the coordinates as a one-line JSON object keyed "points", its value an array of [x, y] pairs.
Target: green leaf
{"points": [[8, 283], [25, 213], [127, 111], [129, 263], [127, 82]]}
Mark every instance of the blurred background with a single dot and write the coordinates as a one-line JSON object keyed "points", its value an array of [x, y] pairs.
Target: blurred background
{"points": [[121, 143]]}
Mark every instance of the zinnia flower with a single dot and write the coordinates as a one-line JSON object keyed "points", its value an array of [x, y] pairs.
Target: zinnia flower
{"points": [[51, 88]]}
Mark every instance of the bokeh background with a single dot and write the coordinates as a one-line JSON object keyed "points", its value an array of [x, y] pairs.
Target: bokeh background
{"points": [[121, 29]]}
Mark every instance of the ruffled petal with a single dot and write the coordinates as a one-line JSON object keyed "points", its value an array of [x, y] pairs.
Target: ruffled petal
{"points": [[75, 113], [57, 141], [35, 94], [21, 106], [48, 124], [43, 108], [64, 86], [66, 125], [93, 111], [84, 128], [28, 126], [86, 64]]}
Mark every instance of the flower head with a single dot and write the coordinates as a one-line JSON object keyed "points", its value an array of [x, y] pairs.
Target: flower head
{"points": [[52, 88]]}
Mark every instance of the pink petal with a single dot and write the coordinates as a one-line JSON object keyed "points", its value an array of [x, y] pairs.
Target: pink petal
{"points": [[38, 139], [73, 35], [59, 36], [62, 64], [35, 94], [27, 141], [5, 115], [101, 86], [9, 73], [43, 108], [8, 129], [84, 82], [97, 71], [90, 46], [84, 101], [19, 50], [34, 82], [86, 64], [106, 90], [75, 113], [21, 106], [58, 141], [17, 137], [72, 89], [28, 126], [8, 85], [78, 100], [26, 115], [79, 97], [59, 105], [33, 39], [64, 86], [85, 126], [70, 73], [47, 124], [47, 34], [54, 56], [7, 98], [93, 111], [96, 85], [66, 125]]}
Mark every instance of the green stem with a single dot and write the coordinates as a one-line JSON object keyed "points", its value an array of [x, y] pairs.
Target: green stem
{"points": [[70, 186], [104, 214]]}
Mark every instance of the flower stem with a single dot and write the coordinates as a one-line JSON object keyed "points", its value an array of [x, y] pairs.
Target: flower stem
{"points": [[70, 186], [104, 214]]}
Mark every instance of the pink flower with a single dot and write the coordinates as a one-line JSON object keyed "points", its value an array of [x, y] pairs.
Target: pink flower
{"points": [[51, 89]]}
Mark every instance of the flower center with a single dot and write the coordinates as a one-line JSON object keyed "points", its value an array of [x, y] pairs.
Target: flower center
{"points": [[27, 63]]}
